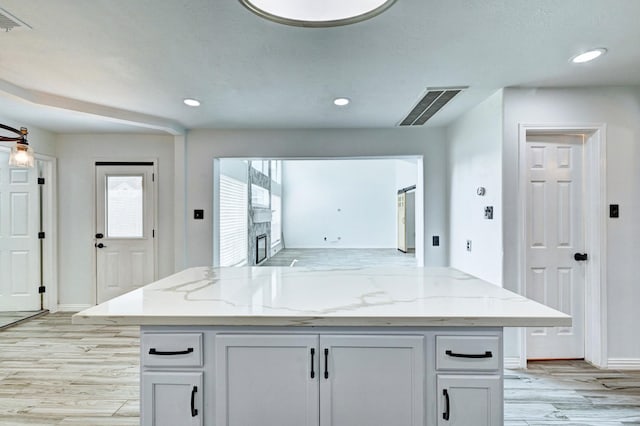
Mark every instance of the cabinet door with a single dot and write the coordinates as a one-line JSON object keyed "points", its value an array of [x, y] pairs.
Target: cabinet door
{"points": [[372, 380], [171, 399], [266, 380], [469, 400]]}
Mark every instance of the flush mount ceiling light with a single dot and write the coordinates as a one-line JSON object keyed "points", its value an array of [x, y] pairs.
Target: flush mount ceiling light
{"points": [[589, 55], [317, 13], [192, 102], [21, 153], [341, 101]]}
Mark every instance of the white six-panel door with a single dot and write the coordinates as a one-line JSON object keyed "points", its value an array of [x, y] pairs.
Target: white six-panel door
{"points": [[19, 253], [124, 229], [555, 232]]}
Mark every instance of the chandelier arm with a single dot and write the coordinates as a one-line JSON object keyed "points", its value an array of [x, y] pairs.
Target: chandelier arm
{"points": [[20, 139]]}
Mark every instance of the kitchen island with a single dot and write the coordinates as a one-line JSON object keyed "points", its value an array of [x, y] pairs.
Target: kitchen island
{"points": [[292, 346]]}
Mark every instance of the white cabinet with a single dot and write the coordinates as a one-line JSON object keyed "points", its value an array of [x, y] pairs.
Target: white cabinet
{"points": [[469, 400], [372, 380], [266, 380], [172, 398], [330, 380]]}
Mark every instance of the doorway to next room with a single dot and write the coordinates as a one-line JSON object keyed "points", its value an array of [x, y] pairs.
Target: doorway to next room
{"points": [[317, 213]]}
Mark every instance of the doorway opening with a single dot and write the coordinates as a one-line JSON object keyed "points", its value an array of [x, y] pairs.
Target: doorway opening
{"points": [[319, 213], [562, 218]]}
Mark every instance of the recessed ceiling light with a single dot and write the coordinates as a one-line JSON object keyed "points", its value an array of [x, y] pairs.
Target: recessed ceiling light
{"points": [[589, 55], [341, 101], [192, 102], [317, 13]]}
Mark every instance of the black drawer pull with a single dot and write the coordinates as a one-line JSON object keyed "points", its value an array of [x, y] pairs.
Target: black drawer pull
{"points": [[487, 354], [313, 373], [153, 351], [326, 363], [447, 410], [194, 410]]}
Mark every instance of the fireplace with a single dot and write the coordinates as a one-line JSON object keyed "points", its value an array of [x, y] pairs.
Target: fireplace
{"points": [[261, 248]]}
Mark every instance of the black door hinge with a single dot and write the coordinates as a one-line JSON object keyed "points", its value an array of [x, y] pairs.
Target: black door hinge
{"points": [[153, 177], [41, 289], [41, 235], [153, 233], [40, 181]]}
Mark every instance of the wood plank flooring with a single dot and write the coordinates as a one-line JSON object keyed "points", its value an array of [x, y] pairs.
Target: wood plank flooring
{"points": [[340, 258], [56, 373]]}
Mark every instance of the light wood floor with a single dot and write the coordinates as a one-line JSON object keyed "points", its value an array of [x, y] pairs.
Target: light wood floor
{"points": [[56, 373], [340, 258]]}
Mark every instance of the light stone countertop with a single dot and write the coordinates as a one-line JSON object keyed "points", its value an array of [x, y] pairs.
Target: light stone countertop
{"points": [[282, 296]]}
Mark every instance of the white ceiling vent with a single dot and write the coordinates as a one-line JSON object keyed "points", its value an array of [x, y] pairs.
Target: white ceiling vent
{"points": [[9, 22], [431, 102]]}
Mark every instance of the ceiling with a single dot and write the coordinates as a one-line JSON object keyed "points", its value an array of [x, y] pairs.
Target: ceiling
{"points": [[126, 65]]}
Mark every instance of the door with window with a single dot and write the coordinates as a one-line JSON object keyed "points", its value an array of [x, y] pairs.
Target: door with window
{"points": [[124, 237], [19, 254]]}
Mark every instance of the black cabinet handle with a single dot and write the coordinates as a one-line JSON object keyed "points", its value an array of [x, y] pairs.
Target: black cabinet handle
{"points": [[194, 410], [313, 373], [153, 351], [326, 363], [487, 354], [447, 410]]}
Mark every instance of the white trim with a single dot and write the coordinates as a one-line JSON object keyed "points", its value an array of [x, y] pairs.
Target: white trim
{"points": [[73, 307], [595, 222], [512, 363], [50, 220], [623, 364]]}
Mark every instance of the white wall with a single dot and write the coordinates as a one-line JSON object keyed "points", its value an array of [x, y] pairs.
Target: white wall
{"points": [[406, 173], [339, 203], [204, 145], [619, 108], [475, 160], [76, 158]]}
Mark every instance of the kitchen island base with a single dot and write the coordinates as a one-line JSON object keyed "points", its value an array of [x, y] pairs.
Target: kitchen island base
{"points": [[309, 376]]}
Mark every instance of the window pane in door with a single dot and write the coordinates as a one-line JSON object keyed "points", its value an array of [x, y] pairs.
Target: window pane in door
{"points": [[124, 207]]}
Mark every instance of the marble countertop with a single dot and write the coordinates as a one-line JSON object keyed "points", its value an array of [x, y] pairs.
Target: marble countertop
{"points": [[277, 296]]}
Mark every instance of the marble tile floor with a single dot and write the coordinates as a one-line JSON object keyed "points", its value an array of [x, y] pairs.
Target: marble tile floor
{"points": [[11, 318], [340, 258], [54, 373]]}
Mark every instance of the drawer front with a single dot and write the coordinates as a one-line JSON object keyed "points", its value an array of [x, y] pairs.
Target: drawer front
{"points": [[171, 349], [468, 352]]}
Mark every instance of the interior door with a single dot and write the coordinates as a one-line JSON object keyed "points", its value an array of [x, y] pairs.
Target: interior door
{"points": [[19, 253], [555, 233], [124, 238], [402, 222]]}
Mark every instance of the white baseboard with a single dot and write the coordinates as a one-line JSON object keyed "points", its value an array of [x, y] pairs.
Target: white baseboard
{"points": [[512, 362], [623, 364], [73, 308]]}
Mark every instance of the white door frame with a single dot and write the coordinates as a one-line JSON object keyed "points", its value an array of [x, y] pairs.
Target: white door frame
{"points": [[50, 220], [594, 178], [94, 277]]}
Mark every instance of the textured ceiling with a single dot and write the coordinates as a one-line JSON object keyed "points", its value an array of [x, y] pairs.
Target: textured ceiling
{"points": [[134, 61]]}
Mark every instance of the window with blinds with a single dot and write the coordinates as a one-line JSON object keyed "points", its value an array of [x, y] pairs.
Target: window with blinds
{"points": [[233, 222]]}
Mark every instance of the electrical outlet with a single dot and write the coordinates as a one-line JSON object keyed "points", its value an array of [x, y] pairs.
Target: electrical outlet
{"points": [[435, 240], [468, 245], [198, 214], [488, 212]]}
